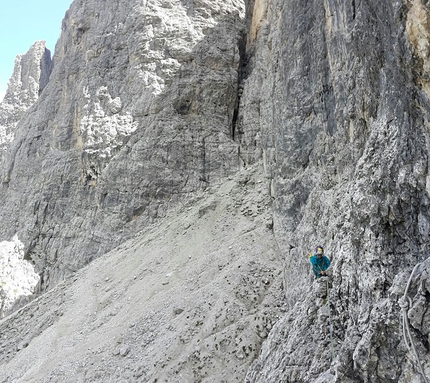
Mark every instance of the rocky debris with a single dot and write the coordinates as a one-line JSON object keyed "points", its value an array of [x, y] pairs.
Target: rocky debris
{"points": [[116, 320]]}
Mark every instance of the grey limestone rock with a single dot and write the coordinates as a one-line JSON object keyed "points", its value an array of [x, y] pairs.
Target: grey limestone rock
{"points": [[116, 320], [30, 76], [149, 105], [344, 135], [137, 114]]}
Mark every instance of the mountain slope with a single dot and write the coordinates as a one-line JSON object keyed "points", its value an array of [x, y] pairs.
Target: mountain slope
{"points": [[339, 94], [190, 299]]}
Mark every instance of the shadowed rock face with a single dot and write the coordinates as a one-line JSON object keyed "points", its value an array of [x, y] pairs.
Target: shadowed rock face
{"points": [[150, 102]]}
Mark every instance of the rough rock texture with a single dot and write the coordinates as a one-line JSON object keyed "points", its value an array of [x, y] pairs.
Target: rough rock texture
{"points": [[30, 75], [137, 112], [346, 138], [17, 277], [189, 300], [151, 102]]}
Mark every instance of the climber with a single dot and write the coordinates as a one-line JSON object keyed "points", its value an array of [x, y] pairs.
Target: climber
{"points": [[320, 263]]}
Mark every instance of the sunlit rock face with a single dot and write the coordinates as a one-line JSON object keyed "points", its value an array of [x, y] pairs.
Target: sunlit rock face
{"points": [[150, 103], [30, 76], [137, 113], [17, 276]]}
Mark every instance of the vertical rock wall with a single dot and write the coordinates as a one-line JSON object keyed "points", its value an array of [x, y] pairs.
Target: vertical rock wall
{"points": [[335, 106], [150, 101], [138, 112]]}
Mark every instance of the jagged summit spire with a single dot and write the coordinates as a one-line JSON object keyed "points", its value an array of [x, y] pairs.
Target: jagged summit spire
{"points": [[30, 75]]}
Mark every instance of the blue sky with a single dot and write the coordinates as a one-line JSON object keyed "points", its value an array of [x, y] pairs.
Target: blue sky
{"points": [[23, 22]]}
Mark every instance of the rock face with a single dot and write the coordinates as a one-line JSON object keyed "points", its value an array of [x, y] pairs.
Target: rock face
{"points": [[18, 279], [150, 103], [345, 137], [30, 76], [138, 112], [189, 300]]}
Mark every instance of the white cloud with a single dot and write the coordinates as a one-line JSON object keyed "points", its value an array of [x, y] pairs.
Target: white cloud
{"points": [[2, 95]]}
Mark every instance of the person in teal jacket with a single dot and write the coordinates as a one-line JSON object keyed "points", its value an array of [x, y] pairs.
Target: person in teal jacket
{"points": [[320, 263]]}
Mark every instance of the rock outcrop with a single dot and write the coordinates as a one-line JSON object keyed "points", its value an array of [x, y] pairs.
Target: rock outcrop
{"points": [[30, 75], [149, 104], [137, 113], [345, 135], [189, 300], [18, 279]]}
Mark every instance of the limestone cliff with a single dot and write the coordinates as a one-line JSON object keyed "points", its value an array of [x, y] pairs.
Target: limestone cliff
{"points": [[138, 112], [149, 104], [336, 99], [31, 74]]}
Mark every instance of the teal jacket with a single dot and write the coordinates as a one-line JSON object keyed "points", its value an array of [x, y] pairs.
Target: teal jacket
{"points": [[319, 264]]}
